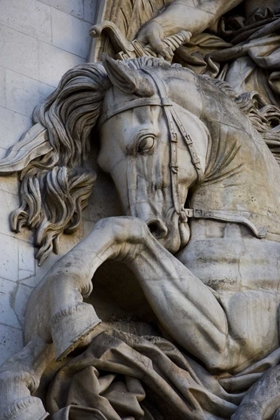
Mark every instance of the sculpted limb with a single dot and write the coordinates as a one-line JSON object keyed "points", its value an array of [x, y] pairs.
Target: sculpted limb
{"points": [[56, 311], [262, 399], [182, 15], [19, 377], [184, 305]]}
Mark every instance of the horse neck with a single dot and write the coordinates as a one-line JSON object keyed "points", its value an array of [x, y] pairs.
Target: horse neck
{"points": [[242, 176]]}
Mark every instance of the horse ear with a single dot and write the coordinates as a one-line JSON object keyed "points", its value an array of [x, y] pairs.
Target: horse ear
{"points": [[126, 79]]}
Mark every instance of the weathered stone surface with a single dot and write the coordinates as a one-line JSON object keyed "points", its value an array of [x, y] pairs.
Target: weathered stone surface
{"points": [[2, 87], [195, 164], [10, 341], [8, 291], [71, 7], [54, 62], [19, 52], [12, 125], [23, 25], [90, 10], [63, 28], [29, 17], [23, 93]]}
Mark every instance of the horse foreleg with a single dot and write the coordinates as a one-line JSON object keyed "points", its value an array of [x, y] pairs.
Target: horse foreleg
{"points": [[56, 310], [20, 377], [184, 305]]}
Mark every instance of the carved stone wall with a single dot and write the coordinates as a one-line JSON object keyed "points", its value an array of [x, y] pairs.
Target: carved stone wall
{"points": [[168, 306], [39, 41]]}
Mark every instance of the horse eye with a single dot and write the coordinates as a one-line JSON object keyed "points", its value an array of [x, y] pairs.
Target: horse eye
{"points": [[146, 144]]}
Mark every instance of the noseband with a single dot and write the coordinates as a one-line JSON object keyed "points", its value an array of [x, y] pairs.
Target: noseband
{"points": [[174, 126]]}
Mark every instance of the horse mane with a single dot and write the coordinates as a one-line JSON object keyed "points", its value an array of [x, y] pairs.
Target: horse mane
{"points": [[55, 187]]}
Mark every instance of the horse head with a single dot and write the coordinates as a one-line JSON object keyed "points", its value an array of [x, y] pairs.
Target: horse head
{"points": [[169, 139], [149, 119]]}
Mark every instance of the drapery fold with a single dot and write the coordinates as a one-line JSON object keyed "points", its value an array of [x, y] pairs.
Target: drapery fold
{"points": [[247, 57], [121, 376]]}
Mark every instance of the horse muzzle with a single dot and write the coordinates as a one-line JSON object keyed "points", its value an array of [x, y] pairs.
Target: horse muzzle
{"points": [[157, 228], [173, 234]]}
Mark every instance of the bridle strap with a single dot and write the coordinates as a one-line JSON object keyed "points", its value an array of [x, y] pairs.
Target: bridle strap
{"points": [[173, 164], [172, 117], [189, 142], [135, 103]]}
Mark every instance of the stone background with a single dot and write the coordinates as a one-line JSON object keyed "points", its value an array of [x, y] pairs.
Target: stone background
{"points": [[39, 41]]}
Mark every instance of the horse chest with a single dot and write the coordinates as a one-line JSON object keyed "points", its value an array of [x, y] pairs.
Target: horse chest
{"points": [[244, 275], [227, 257]]}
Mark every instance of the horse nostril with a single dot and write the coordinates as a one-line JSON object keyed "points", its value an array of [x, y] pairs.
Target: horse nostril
{"points": [[157, 228]]}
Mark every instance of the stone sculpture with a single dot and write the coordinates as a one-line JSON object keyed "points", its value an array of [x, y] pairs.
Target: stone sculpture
{"points": [[194, 162]]}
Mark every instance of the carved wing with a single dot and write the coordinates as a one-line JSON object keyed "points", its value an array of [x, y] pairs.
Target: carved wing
{"points": [[128, 15]]}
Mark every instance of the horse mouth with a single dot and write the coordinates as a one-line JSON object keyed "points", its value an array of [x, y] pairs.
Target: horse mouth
{"points": [[157, 228], [173, 235]]}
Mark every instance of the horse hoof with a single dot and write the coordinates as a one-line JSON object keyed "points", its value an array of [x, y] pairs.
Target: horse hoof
{"points": [[70, 327]]}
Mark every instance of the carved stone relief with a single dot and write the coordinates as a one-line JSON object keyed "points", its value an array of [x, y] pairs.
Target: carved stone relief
{"points": [[184, 108]]}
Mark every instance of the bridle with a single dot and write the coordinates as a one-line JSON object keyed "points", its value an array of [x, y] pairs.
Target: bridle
{"points": [[174, 125]]}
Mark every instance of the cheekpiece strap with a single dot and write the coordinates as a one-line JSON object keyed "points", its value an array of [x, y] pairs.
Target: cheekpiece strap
{"points": [[173, 135], [173, 122]]}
